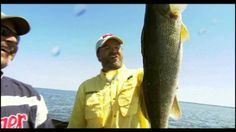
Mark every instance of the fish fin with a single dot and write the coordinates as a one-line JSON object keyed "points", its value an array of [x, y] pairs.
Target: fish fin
{"points": [[144, 123], [175, 112], [184, 33]]}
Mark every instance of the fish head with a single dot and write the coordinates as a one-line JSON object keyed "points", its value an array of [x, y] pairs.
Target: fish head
{"points": [[177, 9], [171, 10]]}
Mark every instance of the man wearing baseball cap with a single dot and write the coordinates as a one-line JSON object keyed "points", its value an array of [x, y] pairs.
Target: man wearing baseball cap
{"points": [[113, 98], [21, 105]]}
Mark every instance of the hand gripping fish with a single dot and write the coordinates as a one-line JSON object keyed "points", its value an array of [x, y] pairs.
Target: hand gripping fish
{"points": [[162, 49]]}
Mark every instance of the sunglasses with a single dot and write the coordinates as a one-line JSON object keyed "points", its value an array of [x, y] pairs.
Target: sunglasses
{"points": [[6, 32], [10, 48]]}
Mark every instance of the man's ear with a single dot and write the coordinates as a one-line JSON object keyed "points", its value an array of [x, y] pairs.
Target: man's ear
{"points": [[13, 53], [98, 56], [12, 56]]}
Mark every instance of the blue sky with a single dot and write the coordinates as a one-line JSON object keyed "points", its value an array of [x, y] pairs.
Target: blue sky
{"points": [[208, 68]]}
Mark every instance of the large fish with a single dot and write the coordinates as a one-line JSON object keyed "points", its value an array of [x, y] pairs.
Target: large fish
{"points": [[162, 48]]}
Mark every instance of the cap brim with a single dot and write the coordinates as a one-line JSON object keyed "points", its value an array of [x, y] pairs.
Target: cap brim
{"points": [[113, 37], [21, 24]]}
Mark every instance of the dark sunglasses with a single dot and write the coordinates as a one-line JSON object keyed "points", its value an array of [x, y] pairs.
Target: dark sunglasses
{"points": [[106, 47], [6, 32]]}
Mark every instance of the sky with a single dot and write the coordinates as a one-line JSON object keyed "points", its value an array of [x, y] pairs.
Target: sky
{"points": [[59, 51]]}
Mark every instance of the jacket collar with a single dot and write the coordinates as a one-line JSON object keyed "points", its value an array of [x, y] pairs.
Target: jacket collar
{"points": [[112, 74]]}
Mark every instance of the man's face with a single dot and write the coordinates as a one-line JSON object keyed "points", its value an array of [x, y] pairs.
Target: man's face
{"points": [[9, 41], [110, 55]]}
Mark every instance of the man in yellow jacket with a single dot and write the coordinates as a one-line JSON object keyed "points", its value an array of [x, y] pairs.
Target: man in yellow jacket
{"points": [[112, 99]]}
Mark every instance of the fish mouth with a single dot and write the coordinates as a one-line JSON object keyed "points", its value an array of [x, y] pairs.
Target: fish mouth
{"points": [[173, 15]]}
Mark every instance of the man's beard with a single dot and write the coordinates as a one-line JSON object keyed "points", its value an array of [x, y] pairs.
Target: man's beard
{"points": [[5, 64], [113, 65]]}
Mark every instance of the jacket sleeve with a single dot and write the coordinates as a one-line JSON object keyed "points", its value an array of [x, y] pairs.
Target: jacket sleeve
{"points": [[77, 119], [42, 120]]}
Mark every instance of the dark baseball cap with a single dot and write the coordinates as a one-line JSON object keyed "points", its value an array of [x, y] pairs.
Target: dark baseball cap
{"points": [[21, 24]]}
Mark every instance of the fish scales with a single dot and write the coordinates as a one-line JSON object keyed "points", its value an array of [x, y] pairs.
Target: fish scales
{"points": [[162, 55]]}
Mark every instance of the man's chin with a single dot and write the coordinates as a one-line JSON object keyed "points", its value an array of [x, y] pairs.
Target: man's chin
{"points": [[117, 65], [3, 65], [4, 62]]}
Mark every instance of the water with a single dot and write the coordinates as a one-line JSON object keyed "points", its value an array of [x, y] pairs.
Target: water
{"points": [[204, 116], [60, 104]]}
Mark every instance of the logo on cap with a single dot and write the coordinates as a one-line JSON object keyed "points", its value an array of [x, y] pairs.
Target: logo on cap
{"points": [[109, 34]]}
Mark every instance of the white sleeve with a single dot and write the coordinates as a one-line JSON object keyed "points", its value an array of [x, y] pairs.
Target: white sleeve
{"points": [[42, 112]]}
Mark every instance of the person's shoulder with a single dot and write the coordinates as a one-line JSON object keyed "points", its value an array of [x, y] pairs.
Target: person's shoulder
{"points": [[136, 71], [139, 70], [88, 84], [14, 81], [90, 80], [19, 88]]}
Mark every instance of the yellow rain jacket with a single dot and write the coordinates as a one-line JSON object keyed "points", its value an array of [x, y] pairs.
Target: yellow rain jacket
{"points": [[110, 100]]}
